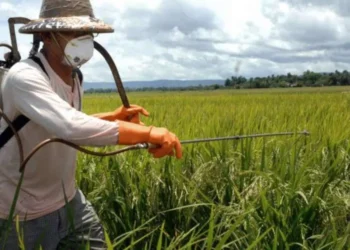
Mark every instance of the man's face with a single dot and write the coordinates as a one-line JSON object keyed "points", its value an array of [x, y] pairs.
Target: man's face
{"points": [[57, 41], [65, 37]]}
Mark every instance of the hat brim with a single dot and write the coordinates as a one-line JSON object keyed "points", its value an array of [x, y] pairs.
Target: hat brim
{"points": [[66, 24]]}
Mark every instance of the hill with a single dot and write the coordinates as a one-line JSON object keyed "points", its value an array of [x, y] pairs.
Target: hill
{"points": [[153, 84]]}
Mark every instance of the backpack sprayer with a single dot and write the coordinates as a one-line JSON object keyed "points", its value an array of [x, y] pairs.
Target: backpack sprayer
{"points": [[14, 56]]}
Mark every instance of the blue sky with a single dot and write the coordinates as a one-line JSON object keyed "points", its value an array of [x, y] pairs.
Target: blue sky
{"points": [[207, 39]]}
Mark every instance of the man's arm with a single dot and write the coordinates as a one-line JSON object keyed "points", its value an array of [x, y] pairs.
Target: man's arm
{"points": [[124, 114], [34, 98], [107, 116]]}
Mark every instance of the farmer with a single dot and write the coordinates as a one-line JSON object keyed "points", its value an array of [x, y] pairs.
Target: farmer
{"points": [[52, 102]]}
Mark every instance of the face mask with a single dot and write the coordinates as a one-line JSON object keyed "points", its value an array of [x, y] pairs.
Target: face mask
{"points": [[78, 51]]}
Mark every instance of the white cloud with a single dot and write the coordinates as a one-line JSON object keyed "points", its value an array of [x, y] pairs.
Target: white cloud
{"points": [[178, 39]]}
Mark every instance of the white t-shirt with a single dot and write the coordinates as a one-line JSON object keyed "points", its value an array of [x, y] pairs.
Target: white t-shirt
{"points": [[47, 103]]}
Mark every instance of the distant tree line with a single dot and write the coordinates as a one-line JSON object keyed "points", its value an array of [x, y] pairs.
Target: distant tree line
{"points": [[188, 88], [307, 79]]}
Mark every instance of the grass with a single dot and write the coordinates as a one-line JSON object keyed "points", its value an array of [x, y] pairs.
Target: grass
{"points": [[271, 193], [265, 193]]}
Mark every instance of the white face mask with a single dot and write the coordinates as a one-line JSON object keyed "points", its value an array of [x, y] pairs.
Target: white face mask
{"points": [[78, 51]]}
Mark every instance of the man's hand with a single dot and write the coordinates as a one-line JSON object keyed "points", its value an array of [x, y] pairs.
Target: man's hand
{"points": [[124, 114], [166, 142], [130, 114]]}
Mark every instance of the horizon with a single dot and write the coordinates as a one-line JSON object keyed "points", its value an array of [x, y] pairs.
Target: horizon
{"points": [[204, 79]]}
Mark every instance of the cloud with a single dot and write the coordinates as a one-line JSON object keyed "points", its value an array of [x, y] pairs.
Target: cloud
{"points": [[341, 7], [205, 39]]}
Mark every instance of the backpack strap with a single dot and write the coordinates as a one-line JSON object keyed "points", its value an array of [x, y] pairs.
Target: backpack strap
{"points": [[80, 76], [38, 61], [22, 120], [17, 124]]}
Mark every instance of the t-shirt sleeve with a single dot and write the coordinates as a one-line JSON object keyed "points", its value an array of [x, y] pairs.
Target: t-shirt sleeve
{"points": [[34, 98]]}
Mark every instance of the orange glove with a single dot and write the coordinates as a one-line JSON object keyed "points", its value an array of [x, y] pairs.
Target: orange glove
{"points": [[123, 114], [130, 134]]}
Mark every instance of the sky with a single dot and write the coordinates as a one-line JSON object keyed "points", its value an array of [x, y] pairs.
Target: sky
{"points": [[209, 39]]}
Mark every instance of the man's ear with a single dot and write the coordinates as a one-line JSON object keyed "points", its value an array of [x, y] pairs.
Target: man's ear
{"points": [[46, 38]]}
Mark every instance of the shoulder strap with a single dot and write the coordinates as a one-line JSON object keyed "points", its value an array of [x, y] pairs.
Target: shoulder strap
{"points": [[21, 120], [38, 61], [18, 124], [80, 75]]}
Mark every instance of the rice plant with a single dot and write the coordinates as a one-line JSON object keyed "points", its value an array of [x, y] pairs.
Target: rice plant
{"points": [[265, 193]]}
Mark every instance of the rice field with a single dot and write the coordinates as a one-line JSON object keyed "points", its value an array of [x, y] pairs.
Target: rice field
{"points": [[290, 192]]}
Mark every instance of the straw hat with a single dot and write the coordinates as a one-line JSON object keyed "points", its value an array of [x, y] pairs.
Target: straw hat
{"points": [[66, 15]]}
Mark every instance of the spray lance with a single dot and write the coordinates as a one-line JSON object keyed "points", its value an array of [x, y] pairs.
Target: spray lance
{"points": [[14, 57]]}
